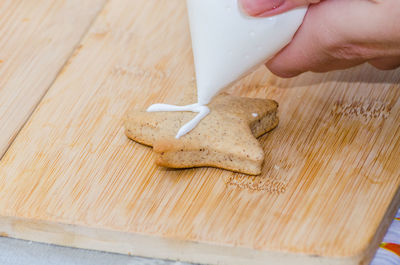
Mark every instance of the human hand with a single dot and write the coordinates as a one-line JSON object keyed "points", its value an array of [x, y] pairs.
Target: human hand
{"points": [[337, 34], [264, 8]]}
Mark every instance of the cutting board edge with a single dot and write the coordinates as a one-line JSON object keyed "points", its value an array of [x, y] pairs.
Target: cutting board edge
{"points": [[163, 248]]}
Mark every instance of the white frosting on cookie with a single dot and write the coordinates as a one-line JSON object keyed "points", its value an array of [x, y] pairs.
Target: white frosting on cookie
{"points": [[202, 111]]}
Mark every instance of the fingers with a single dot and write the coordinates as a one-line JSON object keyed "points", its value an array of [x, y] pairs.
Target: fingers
{"points": [[336, 34], [264, 8], [315, 47], [327, 41], [386, 63]]}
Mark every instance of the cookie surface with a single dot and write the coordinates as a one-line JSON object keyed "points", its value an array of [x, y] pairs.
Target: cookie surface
{"points": [[226, 138]]}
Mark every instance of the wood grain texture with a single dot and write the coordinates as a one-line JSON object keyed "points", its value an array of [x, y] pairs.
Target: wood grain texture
{"points": [[37, 38], [329, 186]]}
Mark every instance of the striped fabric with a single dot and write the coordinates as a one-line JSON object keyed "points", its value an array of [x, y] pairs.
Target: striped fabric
{"points": [[389, 251]]}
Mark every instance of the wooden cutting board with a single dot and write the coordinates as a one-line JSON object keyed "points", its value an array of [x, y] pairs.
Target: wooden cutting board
{"points": [[37, 38], [328, 191]]}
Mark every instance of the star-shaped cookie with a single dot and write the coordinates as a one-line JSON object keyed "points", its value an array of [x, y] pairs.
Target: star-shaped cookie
{"points": [[226, 138]]}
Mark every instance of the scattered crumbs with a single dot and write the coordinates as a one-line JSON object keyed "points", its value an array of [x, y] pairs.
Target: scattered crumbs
{"points": [[152, 73], [256, 184], [254, 114], [277, 167], [367, 111]]}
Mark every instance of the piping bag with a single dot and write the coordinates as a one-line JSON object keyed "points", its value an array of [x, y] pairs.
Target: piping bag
{"points": [[227, 45]]}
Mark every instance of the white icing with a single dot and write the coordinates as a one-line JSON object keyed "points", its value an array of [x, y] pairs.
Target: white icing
{"points": [[228, 44], [166, 107], [254, 114], [202, 111]]}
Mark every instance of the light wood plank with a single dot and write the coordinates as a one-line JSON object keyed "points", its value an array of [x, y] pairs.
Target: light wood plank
{"points": [[37, 38], [329, 187]]}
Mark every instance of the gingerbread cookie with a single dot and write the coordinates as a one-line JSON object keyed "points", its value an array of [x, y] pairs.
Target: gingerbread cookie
{"points": [[226, 138]]}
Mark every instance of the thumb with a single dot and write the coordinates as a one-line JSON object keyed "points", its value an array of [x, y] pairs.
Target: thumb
{"points": [[265, 8]]}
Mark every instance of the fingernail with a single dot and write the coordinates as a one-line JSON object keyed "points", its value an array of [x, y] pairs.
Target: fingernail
{"points": [[259, 7]]}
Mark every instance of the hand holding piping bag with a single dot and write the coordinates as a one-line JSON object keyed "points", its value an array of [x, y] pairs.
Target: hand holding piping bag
{"points": [[336, 34]]}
